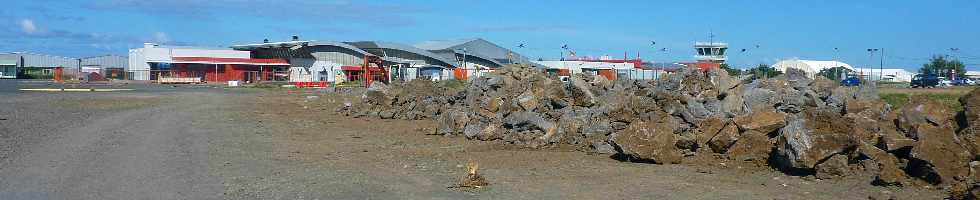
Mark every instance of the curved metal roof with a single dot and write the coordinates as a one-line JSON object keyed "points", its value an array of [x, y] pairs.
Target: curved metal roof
{"points": [[293, 44], [402, 47], [341, 45]]}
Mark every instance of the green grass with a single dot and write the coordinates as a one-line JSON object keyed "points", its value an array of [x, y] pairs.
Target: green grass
{"points": [[949, 97], [897, 100]]}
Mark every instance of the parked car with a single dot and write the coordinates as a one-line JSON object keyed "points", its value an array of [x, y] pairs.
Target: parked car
{"points": [[943, 82], [925, 80], [852, 81], [963, 82]]}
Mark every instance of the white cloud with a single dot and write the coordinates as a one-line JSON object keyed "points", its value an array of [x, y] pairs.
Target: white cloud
{"points": [[27, 26], [161, 37]]}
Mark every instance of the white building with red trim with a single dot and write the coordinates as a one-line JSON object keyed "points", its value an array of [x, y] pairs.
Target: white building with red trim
{"points": [[159, 63]]}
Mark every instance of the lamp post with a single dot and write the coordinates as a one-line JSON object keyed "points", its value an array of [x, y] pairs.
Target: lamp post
{"points": [[881, 66], [954, 51], [652, 56], [837, 66], [871, 55]]}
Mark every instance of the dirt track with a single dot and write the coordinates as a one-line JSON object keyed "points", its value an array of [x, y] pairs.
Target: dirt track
{"points": [[248, 144]]}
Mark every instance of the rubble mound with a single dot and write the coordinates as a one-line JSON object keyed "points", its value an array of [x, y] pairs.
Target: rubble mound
{"points": [[791, 122], [414, 100]]}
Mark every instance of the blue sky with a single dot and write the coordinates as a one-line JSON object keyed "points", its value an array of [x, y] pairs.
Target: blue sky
{"points": [[909, 31]]}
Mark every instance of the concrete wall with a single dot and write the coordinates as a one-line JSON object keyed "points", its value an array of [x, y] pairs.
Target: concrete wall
{"points": [[139, 68]]}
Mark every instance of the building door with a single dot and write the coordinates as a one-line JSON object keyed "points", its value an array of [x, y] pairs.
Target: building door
{"points": [[250, 76]]}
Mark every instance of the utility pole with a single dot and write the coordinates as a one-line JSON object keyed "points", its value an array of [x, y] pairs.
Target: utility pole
{"points": [[464, 60], [881, 66]]}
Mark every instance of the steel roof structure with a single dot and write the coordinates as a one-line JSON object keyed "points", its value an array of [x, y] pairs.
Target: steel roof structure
{"points": [[447, 61]]}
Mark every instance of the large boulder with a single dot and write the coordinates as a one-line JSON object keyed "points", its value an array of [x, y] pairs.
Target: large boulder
{"points": [[970, 120], [708, 129], [581, 92], [761, 121], [648, 141], [529, 121], [921, 112], [452, 122], [724, 138], [751, 146], [938, 156], [888, 170], [806, 141], [833, 167]]}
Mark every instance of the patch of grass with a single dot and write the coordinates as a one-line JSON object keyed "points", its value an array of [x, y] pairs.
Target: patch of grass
{"points": [[453, 84], [949, 97]]}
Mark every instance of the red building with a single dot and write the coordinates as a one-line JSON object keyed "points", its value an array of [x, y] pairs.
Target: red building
{"points": [[211, 69]]}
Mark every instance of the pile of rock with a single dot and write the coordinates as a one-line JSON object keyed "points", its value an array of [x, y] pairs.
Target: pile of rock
{"points": [[414, 100], [790, 122]]}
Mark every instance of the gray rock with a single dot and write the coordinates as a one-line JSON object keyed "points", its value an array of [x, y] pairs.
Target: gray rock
{"points": [[604, 148]]}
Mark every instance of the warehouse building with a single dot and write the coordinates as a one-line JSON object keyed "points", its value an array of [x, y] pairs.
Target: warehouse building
{"points": [[315, 61], [410, 62], [330, 61], [887, 75], [478, 53], [8, 68], [811, 67], [40, 66], [107, 66], [173, 64]]}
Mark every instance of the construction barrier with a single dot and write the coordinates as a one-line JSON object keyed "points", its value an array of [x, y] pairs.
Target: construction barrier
{"points": [[319, 84]]}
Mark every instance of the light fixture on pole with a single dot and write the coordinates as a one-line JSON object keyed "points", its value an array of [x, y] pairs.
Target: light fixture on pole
{"points": [[871, 54]]}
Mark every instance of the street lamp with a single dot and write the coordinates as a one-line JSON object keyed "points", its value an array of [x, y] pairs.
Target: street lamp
{"points": [[652, 56], [953, 51], [871, 53], [837, 66]]}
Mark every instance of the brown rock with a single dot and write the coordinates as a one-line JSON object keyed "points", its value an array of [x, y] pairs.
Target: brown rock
{"points": [[648, 141], [856, 106], [725, 138], [889, 172], [761, 121], [833, 167], [938, 156], [972, 143], [921, 112], [865, 129], [751, 146], [971, 112], [708, 129], [804, 142], [894, 141]]}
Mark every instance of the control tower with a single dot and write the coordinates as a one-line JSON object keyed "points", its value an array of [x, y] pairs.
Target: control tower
{"points": [[711, 52]]}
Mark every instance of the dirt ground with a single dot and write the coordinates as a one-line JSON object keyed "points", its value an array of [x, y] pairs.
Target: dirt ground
{"points": [[288, 144]]}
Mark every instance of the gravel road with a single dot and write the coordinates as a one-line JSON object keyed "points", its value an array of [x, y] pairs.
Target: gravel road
{"points": [[95, 146]]}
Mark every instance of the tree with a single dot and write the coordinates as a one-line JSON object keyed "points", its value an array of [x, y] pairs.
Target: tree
{"points": [[939, 65], [834, 73], [731, 71], [764, 71]]}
